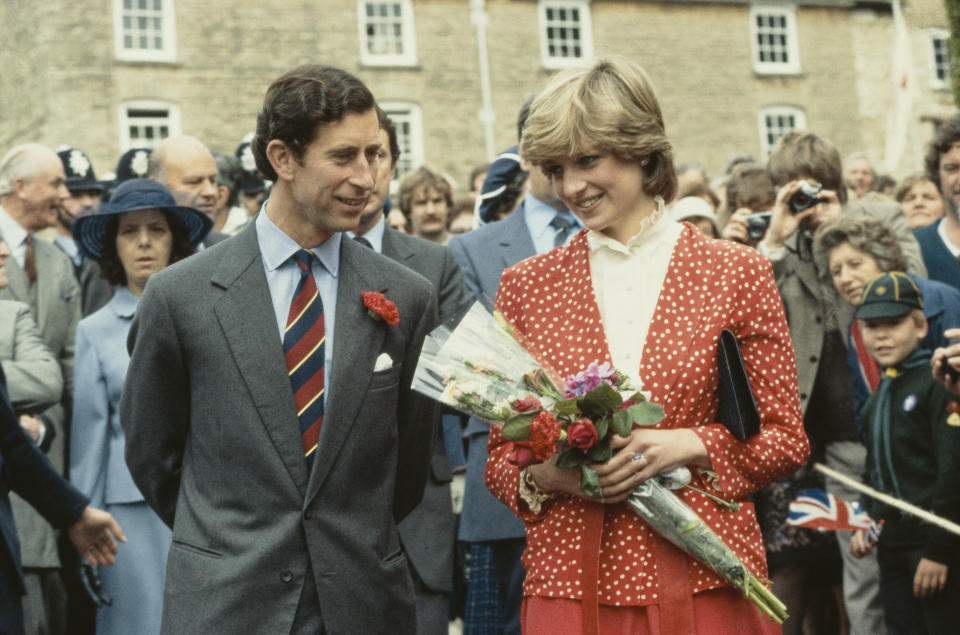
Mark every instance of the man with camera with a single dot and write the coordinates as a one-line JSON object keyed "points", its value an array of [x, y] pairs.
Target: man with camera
{"points": [[807, 171]]}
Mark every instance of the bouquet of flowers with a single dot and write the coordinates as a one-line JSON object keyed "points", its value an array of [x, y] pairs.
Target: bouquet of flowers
{"points": [[483, 369]]}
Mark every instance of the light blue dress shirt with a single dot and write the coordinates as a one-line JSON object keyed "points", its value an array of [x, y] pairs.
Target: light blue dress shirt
{"points": [[538, 215], [374, 236], [69, 247], [283, 275]]}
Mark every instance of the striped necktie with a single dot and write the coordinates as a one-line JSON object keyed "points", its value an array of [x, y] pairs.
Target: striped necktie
{"points": [[303, 344], [30, 260]]}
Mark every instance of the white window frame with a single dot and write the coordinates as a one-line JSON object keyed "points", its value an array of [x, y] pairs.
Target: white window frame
{"points": [[172, 121], [407, 35], [799, 121], [586, 32], [167, 54], [411, 151], [941, 35], [789, 12]]}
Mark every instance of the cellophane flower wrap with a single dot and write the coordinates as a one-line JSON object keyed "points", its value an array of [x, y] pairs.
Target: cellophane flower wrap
{"points": [[482, 368]]}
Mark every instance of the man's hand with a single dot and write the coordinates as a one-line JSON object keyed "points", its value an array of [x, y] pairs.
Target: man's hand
{"points": [[32, 426], [784, 223], [947, 356], [736, 227], [859, 547], [93, 535], [929, 579]]}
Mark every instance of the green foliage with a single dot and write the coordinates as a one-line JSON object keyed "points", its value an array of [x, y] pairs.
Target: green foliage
{"points": [[589, 481], [599, 401], [517, 427]]}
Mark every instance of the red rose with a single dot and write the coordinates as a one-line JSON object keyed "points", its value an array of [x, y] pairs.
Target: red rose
{"points": [[522, 455], [527, 404], [380, 307], [544, 432], [582, 434]]}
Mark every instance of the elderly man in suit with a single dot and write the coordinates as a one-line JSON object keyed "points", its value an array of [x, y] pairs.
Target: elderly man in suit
{"points": [[541, 223], [189, 170], [41, 276], [284, 497], [428, 534]]}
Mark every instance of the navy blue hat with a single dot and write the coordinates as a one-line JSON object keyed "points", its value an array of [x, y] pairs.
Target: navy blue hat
{"points": [[251, 183], [78, 171], [130, 196], [502, 172], [889, 295]]}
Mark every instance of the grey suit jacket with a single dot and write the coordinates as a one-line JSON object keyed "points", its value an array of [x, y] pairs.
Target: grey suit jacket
{"points": [[213, 442], [55, 305], [810, 302], [483, 254], [429, 532], [34, 381]]}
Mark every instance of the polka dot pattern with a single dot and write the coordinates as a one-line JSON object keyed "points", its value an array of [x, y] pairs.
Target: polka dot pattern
{"points": [[710, 285]]}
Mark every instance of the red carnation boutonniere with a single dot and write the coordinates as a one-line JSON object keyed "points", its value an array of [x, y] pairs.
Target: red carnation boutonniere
{"points": [[381, 308]]}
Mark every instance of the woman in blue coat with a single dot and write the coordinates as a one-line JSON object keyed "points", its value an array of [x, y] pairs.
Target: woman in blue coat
{"points": [[139, 232]]}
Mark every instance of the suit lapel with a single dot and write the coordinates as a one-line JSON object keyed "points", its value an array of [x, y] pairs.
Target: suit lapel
{"points": [[245, 313], [395, 248], [358, 342], [515, 241]]}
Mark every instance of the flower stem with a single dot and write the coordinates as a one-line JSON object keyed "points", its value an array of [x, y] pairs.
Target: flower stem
{"points": [[731, 505]]}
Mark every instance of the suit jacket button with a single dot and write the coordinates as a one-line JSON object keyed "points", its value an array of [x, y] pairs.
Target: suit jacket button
{"points": [[286, 576]]}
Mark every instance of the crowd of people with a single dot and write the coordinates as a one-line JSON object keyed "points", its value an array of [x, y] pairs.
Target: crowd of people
{"points": [[215, 350]]}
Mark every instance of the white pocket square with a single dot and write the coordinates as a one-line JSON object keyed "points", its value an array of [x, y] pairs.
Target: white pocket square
{"points": [[383, 363]]}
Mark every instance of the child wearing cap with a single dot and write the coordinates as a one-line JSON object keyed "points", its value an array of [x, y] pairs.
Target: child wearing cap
{"points": [[912, 430]]}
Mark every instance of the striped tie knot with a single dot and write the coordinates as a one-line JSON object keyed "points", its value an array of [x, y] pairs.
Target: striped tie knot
{"points": [[304, 260]]}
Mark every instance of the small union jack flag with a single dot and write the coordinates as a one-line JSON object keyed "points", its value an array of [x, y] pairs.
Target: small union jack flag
{"points": [[816, 509]]}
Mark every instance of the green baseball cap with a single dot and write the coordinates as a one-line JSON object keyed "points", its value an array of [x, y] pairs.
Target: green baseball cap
{"points": [[890, 294]]}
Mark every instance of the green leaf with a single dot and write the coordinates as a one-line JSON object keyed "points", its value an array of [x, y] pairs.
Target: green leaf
{"points": [[567, 407], [517, 427], [622, 422], [646, 413], [602, 426], [589, 481], [571, 457], [600, 453], [600, 400]]}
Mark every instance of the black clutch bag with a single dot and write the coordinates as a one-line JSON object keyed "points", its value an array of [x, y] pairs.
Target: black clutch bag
{"points": [[738, 409]]}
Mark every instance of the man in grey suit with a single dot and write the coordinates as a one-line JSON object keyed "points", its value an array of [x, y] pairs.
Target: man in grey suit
{"points": [[539, 223], [428, 534], [41, 276], [818, 321], [279, 526]]}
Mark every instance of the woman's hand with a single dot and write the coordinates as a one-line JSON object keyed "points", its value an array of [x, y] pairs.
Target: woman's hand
{"points": [[658, 451], [930, 578]]}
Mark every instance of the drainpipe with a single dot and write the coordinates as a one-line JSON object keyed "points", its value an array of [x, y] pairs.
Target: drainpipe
{"points": [[478, 16]]}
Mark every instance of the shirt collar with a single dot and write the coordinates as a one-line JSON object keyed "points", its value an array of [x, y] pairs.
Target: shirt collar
{"points": [[374, 235], [69, 247], [539, 214], [276, 248], [124, 303], [11, 231], [650, 228]]}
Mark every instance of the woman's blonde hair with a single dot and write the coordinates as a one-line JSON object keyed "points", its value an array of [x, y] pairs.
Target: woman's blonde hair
{"points": [[610, 106]]}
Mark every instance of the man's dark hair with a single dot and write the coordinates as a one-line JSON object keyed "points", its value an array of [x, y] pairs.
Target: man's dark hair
{"points": [[751, 187], [229, 173], [387, 124], [948, 134], [300, 101], [111, 269]]}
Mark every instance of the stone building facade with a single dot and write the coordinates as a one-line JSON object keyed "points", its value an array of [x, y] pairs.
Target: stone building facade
{"points": [[103, 75]]}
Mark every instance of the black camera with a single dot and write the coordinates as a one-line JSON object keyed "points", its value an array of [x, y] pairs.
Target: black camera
{"points": [[806, 197], [757, 225]]}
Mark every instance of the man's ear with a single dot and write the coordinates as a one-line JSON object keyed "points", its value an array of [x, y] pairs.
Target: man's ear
{"points": [[19, 186], [282, 159]]}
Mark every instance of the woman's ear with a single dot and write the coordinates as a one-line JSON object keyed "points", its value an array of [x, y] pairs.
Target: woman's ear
{"points": [[281, 158]]}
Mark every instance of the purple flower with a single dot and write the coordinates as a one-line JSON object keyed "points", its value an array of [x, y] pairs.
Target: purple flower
{"points": [[585, 381]]}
